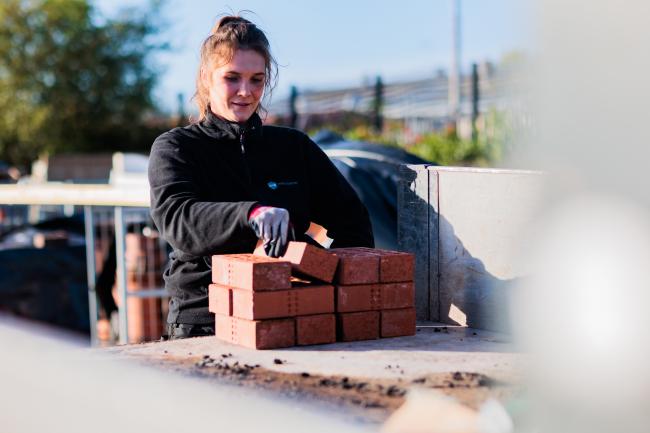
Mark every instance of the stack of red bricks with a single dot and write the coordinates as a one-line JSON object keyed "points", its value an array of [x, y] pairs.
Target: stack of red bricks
{"points": [[312, 296]]}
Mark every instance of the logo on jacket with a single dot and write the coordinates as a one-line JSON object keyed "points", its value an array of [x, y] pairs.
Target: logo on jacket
{"points": [[275, 185]]}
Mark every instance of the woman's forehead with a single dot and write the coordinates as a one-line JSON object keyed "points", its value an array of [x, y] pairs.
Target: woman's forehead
{"points": [[248, 61]]}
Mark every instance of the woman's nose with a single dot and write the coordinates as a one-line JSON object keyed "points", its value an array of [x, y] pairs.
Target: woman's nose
{"points": [[244, 89]]}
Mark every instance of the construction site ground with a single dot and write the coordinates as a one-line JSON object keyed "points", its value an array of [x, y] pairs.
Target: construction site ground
{"points": [[365, 381]]}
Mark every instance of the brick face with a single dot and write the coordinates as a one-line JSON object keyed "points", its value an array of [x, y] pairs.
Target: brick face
{"points": [[394, 266], [397, 323], [256, 334], [366, 297], [250, 272], [356, 267], [317, 329], [397, 295], [358, 326], [220, 300], [283, 303], [361, 297]]}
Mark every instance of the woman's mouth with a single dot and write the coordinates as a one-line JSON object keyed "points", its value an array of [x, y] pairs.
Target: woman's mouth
{"points": [[241, 104]]}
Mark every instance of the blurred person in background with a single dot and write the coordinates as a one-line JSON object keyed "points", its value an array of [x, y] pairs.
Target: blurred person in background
{"points": [[226, 181]]}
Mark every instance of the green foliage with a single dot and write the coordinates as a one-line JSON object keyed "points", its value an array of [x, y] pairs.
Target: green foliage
{"points": [[71, 80], [444, 148]]}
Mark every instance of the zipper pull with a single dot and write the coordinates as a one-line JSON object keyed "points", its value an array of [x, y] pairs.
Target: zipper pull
{"points": [[241, 143]]}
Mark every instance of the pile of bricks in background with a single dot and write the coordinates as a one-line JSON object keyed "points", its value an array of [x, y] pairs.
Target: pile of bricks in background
{"points": [[345, 294], [145, 259]]}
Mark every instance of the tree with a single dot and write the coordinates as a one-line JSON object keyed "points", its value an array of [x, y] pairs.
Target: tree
{"points": [[72, 80]]}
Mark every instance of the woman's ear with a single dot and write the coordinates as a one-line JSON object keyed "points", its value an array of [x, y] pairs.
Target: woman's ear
{"points": [[205, 77]]}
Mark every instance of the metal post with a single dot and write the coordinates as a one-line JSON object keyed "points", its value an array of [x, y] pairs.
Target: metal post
{"points": [[120, 249], [293, 111], [454, 73], [91, 272], [476, 96], [378, 106]]}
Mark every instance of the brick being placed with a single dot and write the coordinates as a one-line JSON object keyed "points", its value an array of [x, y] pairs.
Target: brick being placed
{"points": [[256, 334], [308, 261], [300, 301], [250, 272], [397, 323], [394, 266], [316, 329], [357, 326], [356, 266], [219, 300]]}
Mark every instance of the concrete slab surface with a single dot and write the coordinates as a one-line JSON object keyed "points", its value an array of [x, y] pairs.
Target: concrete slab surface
{"points": [[434, 349]]}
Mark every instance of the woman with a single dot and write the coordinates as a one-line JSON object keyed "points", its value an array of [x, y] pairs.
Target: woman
{"points": [[222, 183]]}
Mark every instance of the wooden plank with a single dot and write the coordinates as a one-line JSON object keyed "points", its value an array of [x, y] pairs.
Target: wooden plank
{"points": [[81, 195]]}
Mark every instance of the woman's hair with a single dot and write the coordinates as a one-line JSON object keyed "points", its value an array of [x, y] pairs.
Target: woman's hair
{"points": [[232, 33]]}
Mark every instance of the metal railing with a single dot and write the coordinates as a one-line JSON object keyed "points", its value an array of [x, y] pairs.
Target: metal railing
{"points": [[111, 214]]}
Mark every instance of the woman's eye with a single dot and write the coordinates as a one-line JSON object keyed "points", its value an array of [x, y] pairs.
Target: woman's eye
{"points": [[232, 79]]}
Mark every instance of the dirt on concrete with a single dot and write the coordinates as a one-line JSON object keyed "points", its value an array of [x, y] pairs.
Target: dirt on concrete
{"points": [[366, 400]]}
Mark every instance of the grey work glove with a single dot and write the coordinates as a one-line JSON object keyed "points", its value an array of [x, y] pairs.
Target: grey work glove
{"points": [[271, 224]]}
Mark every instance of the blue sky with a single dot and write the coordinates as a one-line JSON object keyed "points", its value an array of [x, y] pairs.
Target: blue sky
{"points": [[327, 44]]}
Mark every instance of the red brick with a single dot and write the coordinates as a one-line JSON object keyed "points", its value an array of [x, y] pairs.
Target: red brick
{"points": [[397, 295], [360, 297], [283, 303], [246, 271], [397, 323], [318, 329], [308, 260], [219, 300], [356, 267], [394, 266], [256, 334], [358, 326]]}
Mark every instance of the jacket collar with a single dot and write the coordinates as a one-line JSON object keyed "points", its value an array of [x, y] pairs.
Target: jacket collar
{"points": [[217, 127]]}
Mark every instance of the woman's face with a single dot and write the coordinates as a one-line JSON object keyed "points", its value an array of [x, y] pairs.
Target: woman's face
{"points": [[235, 88]]}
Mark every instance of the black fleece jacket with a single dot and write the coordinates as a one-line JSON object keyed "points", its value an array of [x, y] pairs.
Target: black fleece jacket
{"points": [[206, 177]]}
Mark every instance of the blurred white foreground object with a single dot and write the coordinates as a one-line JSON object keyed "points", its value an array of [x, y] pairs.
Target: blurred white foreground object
{"points": [[50, 385], [429, 411]]}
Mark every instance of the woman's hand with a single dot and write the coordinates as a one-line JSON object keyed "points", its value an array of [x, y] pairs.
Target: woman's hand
{"points": [[271, 224]]}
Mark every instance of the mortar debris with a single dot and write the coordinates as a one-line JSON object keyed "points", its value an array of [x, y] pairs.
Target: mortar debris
{"points": [[395, 391]]}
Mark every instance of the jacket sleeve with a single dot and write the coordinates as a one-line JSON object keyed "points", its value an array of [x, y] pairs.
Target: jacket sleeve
{"points": [[334, 204], [191, 225]]}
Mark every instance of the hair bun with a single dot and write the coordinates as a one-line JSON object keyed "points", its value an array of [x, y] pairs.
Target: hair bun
{"points": [[229, 19]]}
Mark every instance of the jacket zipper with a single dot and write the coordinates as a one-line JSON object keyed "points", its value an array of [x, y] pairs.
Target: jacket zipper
{"points": [[243, 154]]}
